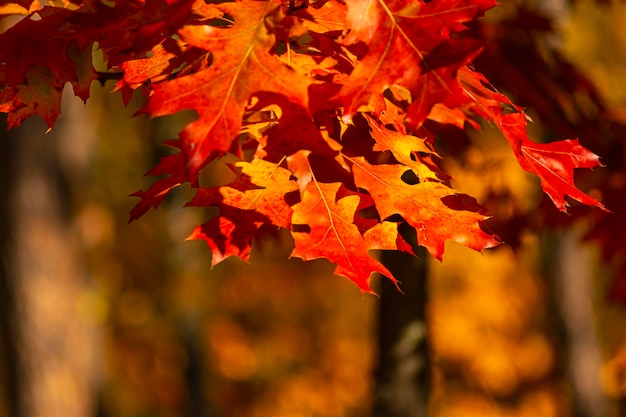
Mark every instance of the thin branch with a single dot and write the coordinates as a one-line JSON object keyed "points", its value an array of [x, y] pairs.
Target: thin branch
{"points": [[103, 77]]}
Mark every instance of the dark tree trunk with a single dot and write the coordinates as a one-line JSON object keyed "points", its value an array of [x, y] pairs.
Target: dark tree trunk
{"points": [[403, 374], [9, 380]]}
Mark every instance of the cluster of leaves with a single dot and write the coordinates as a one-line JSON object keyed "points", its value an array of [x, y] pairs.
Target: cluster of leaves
{"points": [[332, 108], [520, 58]]}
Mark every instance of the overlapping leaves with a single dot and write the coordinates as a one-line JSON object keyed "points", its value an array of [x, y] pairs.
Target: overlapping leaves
{"points": [[53, 46], [324, 102]]}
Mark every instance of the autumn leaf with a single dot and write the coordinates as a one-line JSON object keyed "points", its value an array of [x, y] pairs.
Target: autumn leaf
{"points": [[32, 72], [172, 167], [61, 40], [294, 129], [422, 206], [385, 236], [409, 44], [404, 147], [229, 234], [242, 66], [254, 198], [324, 17], [153, 68], [333, 235], [260, 186], [18, 7], [39, 95], [553, 163]]}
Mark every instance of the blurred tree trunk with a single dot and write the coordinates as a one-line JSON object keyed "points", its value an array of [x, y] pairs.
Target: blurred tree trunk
{"points": [[49, 341], [574, 280], [568, 265], [403, 374]]}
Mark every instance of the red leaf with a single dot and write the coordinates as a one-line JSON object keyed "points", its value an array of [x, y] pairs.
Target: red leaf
{"points": [[39, 95], [385, 236], [60, 40], [242, 66], [227, 236], [410, 45], [173, 167], [294, 131], [333, 234], [553, 163]]}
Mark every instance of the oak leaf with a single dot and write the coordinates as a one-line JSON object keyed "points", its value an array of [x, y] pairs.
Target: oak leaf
{"points": [[61, 40], [229, 234], [407, 149], [333, 234], [172, 167], [254, 198], [553, 162], [32, 71], [409, 44], [242, 65], [422, 206]]}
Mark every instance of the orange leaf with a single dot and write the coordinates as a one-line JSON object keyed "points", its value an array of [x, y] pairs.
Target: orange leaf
{"points": [[423, 207], [256, 197], [405, 148]]}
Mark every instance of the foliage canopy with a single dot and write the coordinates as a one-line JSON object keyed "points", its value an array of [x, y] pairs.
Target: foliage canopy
{"points": [[333, 109]]}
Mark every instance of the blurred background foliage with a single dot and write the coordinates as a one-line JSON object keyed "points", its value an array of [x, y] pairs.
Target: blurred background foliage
{"points": [[273, 337], [170, 337]]}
